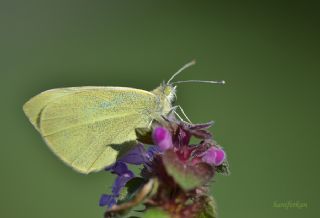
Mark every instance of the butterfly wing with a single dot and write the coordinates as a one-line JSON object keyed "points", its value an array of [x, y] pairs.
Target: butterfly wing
{"points": [[34, 106], [86, 126]]}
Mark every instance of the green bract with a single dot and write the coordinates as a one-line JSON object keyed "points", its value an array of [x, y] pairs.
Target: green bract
{"points": [[187, 176]]}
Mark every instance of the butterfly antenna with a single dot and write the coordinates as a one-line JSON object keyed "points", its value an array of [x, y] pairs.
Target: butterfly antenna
{"points": [[181, 69], [200, 81]]}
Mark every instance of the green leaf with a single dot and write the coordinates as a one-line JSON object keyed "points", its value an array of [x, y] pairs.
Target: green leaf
{"points": [[187, 176], [209, 209], [131, 188], [155, 213]]}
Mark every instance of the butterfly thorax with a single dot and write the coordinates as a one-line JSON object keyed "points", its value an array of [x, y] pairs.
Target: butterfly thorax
{"points": [[166, 95]]}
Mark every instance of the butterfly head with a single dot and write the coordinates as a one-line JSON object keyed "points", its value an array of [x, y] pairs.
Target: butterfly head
{"points": [[166, 92], [169, 91]]}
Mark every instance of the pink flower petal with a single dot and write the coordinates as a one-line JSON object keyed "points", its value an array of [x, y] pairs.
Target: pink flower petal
{"points": [[220, 156], [162, 138], [214, 156]]}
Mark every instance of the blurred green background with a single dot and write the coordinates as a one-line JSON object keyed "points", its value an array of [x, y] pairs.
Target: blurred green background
{"points": [[267, 115]]}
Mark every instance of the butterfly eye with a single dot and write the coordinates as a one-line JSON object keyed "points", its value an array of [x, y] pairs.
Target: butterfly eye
{"points": [[167, 91]]}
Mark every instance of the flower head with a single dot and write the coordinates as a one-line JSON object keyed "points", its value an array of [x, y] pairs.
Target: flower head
{"points": [[182, 170]]}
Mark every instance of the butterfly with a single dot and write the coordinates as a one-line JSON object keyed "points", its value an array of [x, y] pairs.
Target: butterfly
{"points": [[87, 127]]}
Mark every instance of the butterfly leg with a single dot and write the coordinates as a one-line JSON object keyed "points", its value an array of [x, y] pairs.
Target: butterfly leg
{"points": [[150, 124], [183, 113], [178, 115]]}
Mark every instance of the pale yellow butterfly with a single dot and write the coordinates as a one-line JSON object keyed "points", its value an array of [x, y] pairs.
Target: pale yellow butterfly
{"points": [[86, 126]]}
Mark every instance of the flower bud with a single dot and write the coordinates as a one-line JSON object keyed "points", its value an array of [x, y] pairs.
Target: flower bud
{"points": [[214, 156], [162, 138]]}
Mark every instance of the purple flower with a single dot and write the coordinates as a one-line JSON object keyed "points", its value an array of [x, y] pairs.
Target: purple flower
{"points": [[182, 170], [124, 175], [136, 155], [140, 156], [108, 200]]}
